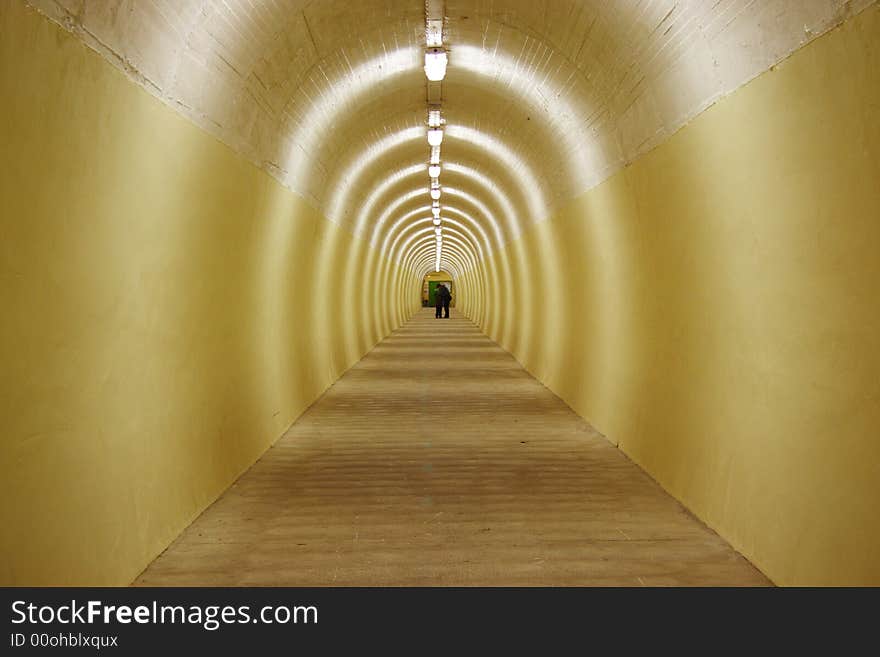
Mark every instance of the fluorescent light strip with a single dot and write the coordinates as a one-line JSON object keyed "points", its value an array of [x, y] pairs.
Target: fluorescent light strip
{"points": [[454, 236], [482, 211], [429, 262], [427, 256], [486, 215], [417, 245], [347, 183], [396, 253], [450, 261], [431, 265], [435, 64], [425, 245]]}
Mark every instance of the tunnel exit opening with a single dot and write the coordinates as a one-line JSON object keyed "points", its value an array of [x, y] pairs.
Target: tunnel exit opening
{"points": [[429, 287]]}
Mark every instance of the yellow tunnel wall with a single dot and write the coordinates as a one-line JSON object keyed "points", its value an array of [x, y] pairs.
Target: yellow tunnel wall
{"points": [[714, 310], [168, 311]]}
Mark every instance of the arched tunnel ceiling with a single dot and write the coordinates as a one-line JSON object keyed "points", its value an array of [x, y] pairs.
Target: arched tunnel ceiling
{"points": [[543, 99]]}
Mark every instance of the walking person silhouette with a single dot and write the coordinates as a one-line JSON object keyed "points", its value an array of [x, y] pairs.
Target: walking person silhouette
{"points": [[442, 297]]}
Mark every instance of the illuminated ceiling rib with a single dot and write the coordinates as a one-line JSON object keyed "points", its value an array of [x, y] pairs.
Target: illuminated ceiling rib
{"points": [[536, 112]]}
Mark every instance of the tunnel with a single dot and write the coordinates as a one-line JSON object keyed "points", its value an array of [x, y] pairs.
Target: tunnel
{"points": [[224, 223]]}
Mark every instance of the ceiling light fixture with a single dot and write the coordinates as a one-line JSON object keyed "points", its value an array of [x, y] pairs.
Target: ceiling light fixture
{"points": [[435, 64]]}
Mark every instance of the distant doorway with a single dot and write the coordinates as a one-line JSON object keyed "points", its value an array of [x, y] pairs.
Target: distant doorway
{"points": [[429, 287]]}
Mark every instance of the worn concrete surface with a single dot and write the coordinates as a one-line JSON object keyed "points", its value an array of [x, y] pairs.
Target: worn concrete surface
{"points": [[437, 460]]}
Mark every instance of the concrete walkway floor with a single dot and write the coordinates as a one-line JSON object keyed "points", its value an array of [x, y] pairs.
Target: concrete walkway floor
{"points": [[438, 460]]}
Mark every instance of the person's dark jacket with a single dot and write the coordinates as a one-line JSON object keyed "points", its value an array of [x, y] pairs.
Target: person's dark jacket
{"points": [[442, 296]]}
